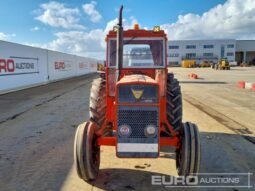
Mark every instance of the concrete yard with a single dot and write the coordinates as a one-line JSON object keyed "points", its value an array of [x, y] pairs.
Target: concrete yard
{"points": [[37, 128]]}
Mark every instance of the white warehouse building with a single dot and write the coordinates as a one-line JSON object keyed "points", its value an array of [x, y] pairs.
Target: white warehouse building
{"points": [[236, 51]]}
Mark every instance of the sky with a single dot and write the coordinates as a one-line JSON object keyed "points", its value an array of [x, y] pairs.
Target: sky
{"points": [[79, 26]]}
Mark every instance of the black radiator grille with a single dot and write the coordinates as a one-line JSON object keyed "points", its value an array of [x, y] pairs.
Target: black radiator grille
{"points": [[138, 119]]}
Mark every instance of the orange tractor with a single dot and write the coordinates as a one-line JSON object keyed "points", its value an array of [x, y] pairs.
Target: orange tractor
{"points": [[136, 106]]}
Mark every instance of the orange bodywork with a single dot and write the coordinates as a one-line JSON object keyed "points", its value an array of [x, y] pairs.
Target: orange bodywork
{"points": [[154, 76]]}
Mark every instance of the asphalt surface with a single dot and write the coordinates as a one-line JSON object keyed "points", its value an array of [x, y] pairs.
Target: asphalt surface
{"points": [[37, 128]]}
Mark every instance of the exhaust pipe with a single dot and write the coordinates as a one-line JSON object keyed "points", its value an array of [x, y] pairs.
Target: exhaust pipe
{"points": [[119, 56]]}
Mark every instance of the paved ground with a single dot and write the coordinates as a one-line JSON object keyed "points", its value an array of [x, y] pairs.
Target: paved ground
{"points": [[37, 129]]}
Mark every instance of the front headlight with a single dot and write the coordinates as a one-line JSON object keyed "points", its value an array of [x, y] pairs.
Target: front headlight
{"points": [[124, 130], [150, 130]]}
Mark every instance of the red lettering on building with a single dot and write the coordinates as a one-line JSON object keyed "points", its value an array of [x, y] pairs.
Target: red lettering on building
{"points": [[7, 65], [10, 65], [59, 65]]}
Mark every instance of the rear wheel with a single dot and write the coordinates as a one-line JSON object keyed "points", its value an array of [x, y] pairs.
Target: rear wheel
{"points": [[188, 155], [174, 102], [97, 104], [86, 152]]}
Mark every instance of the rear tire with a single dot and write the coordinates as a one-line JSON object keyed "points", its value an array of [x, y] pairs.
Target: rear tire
{"points": [[86, 152], [189, 154], [97, 104], [174, 102]]}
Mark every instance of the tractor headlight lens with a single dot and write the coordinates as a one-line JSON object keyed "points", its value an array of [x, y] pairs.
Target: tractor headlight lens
{"points": [[124, 130], [150, 130]]}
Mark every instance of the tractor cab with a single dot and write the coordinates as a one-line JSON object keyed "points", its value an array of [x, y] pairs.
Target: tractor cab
{"points": [[142, 50], [136, 106], [137, 79], [144, 53]]}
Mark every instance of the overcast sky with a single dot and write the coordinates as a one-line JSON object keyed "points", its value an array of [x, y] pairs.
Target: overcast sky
{"points": [[79, 27]]}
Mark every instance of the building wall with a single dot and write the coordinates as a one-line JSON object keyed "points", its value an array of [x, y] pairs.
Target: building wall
{"points": [[245, 50], [21, 66], [61, 65], [200, 50], [245, 45], [24, 66]]}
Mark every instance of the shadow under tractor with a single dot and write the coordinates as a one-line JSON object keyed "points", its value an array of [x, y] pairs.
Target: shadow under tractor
{"points": [[136, 106]]}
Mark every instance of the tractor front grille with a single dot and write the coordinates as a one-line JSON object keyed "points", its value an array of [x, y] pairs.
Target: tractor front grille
{"points": [[137, 118]]}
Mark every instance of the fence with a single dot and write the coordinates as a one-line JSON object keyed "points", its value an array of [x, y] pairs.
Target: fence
{"points": [[24, 66]]}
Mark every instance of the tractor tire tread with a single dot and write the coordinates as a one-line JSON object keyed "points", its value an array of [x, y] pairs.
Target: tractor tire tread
{"points": [[174, 102], [98, 101]]}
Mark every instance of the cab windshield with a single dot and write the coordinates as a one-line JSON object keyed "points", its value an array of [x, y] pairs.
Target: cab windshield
{"points": [[139, 53]]}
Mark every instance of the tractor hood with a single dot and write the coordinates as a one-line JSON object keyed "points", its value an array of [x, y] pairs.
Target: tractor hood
{"points": [[136, 79], [137, 88]]}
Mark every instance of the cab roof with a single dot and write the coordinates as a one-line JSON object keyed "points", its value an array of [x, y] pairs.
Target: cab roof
{"points": [[138, 33]]}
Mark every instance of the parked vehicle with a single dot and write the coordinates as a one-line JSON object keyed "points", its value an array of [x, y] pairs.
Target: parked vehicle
{"points": [[136, 106], [222, 64], [189, 63]]}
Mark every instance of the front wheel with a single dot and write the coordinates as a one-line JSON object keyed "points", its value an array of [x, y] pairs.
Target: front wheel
{"points": [[86, 152], [188, 154]]}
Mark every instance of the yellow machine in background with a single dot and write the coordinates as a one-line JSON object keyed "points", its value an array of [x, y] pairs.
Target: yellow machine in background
{"points": [[100, 66], [205, 64], [222, 64], [188, 63]]}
